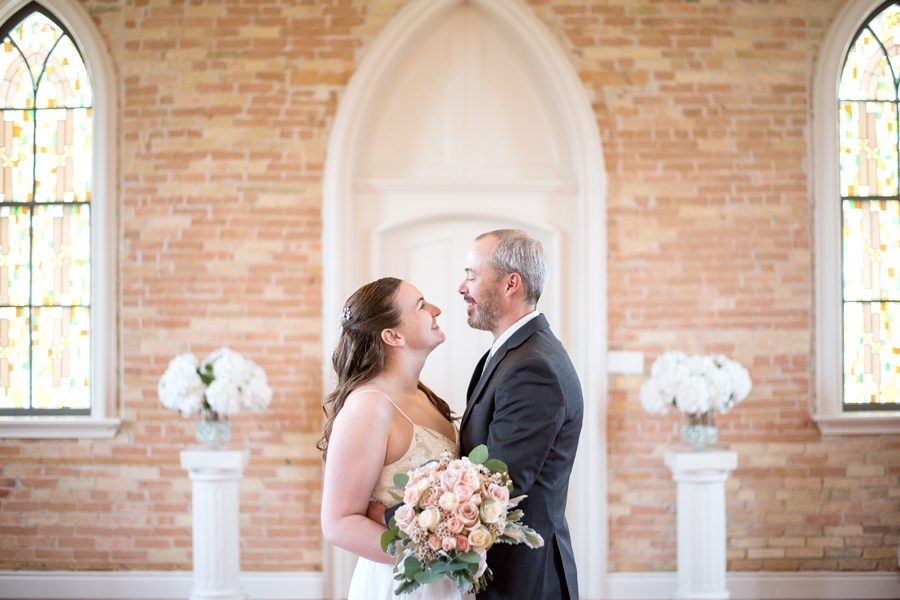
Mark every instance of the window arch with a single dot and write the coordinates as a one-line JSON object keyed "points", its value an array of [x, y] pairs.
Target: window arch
{"points": [[56, 330], [857, 173]]}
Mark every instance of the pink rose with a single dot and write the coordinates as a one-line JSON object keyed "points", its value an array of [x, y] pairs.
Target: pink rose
{"points": [[458, 465], [411, 496], [434, 541], [463, 493], [448, 544], [405, 516], [430, 497], [499, 493], [462, 543], [470, 478], [467, 513], [450, 479], [453, 524]]}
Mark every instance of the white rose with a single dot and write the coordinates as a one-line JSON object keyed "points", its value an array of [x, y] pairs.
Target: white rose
{"points": [[491, 511], [448, 501], [429, 518]]}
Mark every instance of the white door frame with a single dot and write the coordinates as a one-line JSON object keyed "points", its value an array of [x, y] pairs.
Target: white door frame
{"points": [[588, 497]]}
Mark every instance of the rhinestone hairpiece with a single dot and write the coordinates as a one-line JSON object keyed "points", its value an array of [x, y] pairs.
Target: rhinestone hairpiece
{"points": [[346, 315]]}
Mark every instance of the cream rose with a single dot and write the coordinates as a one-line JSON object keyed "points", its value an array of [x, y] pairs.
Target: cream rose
{"points": [[480, 537], [429, 518], [448, 501], [491, 511], [448, 543]]}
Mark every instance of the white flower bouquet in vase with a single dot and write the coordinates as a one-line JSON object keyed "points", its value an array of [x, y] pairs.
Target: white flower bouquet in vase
{"points": [[220, 386], [698, 386]]}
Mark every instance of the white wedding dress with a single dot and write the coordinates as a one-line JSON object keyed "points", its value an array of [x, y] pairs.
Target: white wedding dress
{"points": [[374, 580]]}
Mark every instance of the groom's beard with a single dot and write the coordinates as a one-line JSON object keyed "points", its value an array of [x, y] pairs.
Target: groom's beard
{"points": [[487, 312]]}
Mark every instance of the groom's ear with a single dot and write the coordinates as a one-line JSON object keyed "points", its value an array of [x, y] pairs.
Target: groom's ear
{"points": [[513, 283], [390, 337]]}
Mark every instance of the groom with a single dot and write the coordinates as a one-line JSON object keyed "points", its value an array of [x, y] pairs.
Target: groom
{"points": [[524, 402]]}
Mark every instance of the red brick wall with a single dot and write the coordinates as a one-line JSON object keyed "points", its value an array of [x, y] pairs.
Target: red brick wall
{"points": [[226, 108]]}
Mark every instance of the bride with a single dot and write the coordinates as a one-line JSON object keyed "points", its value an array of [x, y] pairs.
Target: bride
{"points": [[381, 420]]}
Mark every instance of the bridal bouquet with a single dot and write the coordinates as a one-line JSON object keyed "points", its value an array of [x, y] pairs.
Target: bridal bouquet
{"points": [[453, 511], [220, 386], [694, 384]]}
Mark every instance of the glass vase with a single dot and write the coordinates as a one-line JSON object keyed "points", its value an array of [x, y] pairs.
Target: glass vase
{"points": [[700, 430], [213, 433]]}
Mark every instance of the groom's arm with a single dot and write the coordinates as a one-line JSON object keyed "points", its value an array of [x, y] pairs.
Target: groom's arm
{"points": [[529, 411], [380, 513]]}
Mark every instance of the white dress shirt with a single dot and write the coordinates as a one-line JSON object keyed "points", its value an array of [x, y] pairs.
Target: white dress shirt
{"points": [[501, 339]]}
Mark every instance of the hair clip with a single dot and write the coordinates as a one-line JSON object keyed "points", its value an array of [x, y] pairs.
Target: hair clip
{"points": [[346, 315]]}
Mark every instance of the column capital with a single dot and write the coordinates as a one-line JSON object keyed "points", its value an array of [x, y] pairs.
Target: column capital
{"points": [[719, 460], [198, 457]]}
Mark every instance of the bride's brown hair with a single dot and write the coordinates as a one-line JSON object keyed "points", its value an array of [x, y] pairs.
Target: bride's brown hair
{"points": [[360, 354]]}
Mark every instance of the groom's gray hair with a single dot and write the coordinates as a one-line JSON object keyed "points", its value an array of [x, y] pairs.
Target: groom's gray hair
{"points": [[518, 252]]}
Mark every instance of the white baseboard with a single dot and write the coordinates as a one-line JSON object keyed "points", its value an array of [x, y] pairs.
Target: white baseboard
{"points": [[150, 585], [176, 585], [807, 585]]}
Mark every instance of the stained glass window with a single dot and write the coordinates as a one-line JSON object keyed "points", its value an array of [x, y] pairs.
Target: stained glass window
{"points": [[45, 219], [870, 208]]}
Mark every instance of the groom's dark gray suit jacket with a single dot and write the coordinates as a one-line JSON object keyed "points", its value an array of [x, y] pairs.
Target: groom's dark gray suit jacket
{"points": [[527, 407]]}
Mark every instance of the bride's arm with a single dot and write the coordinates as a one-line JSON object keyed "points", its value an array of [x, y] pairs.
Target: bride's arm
{"points": [[356, 455]]}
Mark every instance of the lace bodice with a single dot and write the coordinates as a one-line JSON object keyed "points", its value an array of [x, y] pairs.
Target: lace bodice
{"points": [[425, 445]]}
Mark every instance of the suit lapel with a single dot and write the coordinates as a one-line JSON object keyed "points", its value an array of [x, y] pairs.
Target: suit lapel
{"points": [[476, 376], [480, 380]]}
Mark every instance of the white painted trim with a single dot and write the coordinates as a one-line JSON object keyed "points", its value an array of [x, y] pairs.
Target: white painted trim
{"points": [[104, 229], [745, 585], [589, 501], [166, 585], [52, 427], [485, 186], [150, 585], [828, 409]]}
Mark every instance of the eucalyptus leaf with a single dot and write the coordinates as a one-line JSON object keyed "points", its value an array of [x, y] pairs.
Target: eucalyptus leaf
{"points": [[411, 566], [428, 576], [469, 557], [400, 480], [495, 465], [386, 538], [478, 455]]}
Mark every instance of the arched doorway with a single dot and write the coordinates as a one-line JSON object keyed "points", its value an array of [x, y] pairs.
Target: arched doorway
{"points": [[463, 117]]}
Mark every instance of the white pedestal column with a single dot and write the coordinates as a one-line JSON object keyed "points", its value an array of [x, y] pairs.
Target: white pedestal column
{"points": [[216, 477], [701, 522]]}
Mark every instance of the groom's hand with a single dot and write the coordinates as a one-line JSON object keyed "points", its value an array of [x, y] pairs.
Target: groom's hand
{"points": [[375, 512]]}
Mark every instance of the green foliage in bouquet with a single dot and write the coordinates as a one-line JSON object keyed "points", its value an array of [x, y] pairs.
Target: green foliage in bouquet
{"points": [[453, 511]]}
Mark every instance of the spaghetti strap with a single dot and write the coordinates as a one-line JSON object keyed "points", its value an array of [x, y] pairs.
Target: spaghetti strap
{"points": [[391, 400]]}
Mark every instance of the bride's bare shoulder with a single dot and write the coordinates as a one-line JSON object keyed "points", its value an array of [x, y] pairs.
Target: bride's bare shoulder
{"points": [[368, 404]]}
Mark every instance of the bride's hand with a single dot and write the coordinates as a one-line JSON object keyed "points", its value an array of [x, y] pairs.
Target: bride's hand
{"points": [[375, 512]]}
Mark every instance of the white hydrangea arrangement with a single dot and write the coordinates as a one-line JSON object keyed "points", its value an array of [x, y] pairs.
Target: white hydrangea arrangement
{"points": [[218, 387], [694, 384]]}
